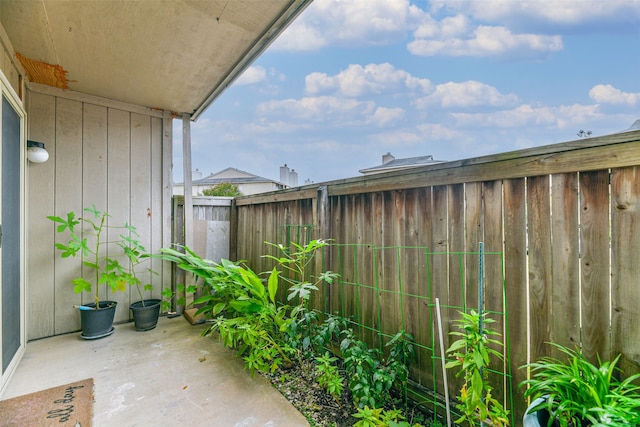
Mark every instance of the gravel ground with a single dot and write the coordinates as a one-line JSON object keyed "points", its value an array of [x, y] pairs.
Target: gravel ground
{"points": [[299, 386]]}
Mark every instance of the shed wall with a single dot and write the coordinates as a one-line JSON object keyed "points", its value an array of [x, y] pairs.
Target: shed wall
{"points": [[102, 153]]}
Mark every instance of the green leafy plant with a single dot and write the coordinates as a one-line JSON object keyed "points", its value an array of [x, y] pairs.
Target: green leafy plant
{"points": [[211, 274], [87, 238], [371, 377], [269, 334], [471, 353], [369, 417], [328, 376], [245, 310], [577, 392], [294, 264], [379, 417], [224, 189]]}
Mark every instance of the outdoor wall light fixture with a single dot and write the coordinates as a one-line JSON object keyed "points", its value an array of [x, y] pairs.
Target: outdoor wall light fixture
{"points": [[36, 152]]}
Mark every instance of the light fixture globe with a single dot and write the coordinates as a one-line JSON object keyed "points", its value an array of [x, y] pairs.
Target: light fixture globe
{"points": [[36, 152]]}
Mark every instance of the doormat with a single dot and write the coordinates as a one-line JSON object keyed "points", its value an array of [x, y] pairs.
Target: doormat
{"points": [[65, 405]]}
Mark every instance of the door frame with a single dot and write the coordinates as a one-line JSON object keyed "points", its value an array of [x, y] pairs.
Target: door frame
{"points": [[12, 97]]}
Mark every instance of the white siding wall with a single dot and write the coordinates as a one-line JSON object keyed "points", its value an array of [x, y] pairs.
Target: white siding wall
{"points": [[105, 153]]}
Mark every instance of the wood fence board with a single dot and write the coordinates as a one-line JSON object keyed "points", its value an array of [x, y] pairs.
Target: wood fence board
{"points": [[595, 270], [540, 289], [565, 298], [390, 300], [515, 272], [349, 302], [412, 262], [625, 292], [440, 272], [494, 280], [422, 328], [456, 301], [366, 256], [472, 236], [337, 233]]}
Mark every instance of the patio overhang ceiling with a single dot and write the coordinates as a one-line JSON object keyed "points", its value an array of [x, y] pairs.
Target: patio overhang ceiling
{"points": [[175, 55]]}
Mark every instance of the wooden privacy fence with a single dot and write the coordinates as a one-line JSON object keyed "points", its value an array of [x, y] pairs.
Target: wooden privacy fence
{"points": [[559, 224]]}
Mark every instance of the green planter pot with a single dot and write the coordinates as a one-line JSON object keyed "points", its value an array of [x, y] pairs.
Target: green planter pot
{"points": [[97, 323], [145, 317]]}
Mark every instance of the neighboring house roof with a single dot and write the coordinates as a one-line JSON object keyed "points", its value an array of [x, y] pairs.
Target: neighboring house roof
{"points": [[232, 175], [396, 164], [174, 55]]}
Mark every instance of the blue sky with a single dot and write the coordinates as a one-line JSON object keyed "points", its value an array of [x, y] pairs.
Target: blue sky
{"points": [[351, 80]]}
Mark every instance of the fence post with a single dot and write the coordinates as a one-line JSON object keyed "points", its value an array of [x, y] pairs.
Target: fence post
{"points": [[322, 211]]}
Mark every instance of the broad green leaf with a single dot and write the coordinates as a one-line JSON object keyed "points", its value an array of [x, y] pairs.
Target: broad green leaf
{"points": [[81, 285], [273, 284], [253, 281]]}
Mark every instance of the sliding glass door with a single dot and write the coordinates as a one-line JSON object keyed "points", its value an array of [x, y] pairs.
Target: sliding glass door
{"points": [[12, 336]]}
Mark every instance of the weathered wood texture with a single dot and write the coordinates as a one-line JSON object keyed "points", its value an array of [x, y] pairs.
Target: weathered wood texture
{"points": [[211, 231], [102, 154], [559, 226]]}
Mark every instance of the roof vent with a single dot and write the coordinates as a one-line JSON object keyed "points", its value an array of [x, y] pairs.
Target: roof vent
{"points": [[387, 158]]}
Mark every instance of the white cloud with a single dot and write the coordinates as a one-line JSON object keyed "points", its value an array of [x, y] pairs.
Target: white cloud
{"points": [[399, 138], [319, 109], [484, 41], [268, 127], [252, 75], [435, 131], [466, 94], [384, 116], [526, 115], [456, 27], [366, 22], [357, 80], [574, 12], [607, 94], [300, 36]]}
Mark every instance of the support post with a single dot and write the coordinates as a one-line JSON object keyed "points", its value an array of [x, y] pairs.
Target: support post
{"points": [[188, 195]]}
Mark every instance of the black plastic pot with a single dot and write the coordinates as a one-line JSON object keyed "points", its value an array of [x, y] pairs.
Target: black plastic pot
{"points": [[539, 418], [98, 323], [145, 317]]}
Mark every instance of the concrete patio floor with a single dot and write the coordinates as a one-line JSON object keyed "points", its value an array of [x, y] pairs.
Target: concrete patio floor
{"points": [[169, 376]]}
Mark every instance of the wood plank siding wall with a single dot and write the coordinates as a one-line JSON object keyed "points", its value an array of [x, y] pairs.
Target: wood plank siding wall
{"points": [[116, 156], [559, 224]]}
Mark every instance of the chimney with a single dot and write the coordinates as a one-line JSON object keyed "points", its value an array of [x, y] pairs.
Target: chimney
{"points": [[196, 175], [387, 158], [293, 178], [284, 174], [634, 126]]}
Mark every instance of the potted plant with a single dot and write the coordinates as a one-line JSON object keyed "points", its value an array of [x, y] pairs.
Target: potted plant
{"points": [[576, 392], [145, 311], [87, 238]]}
